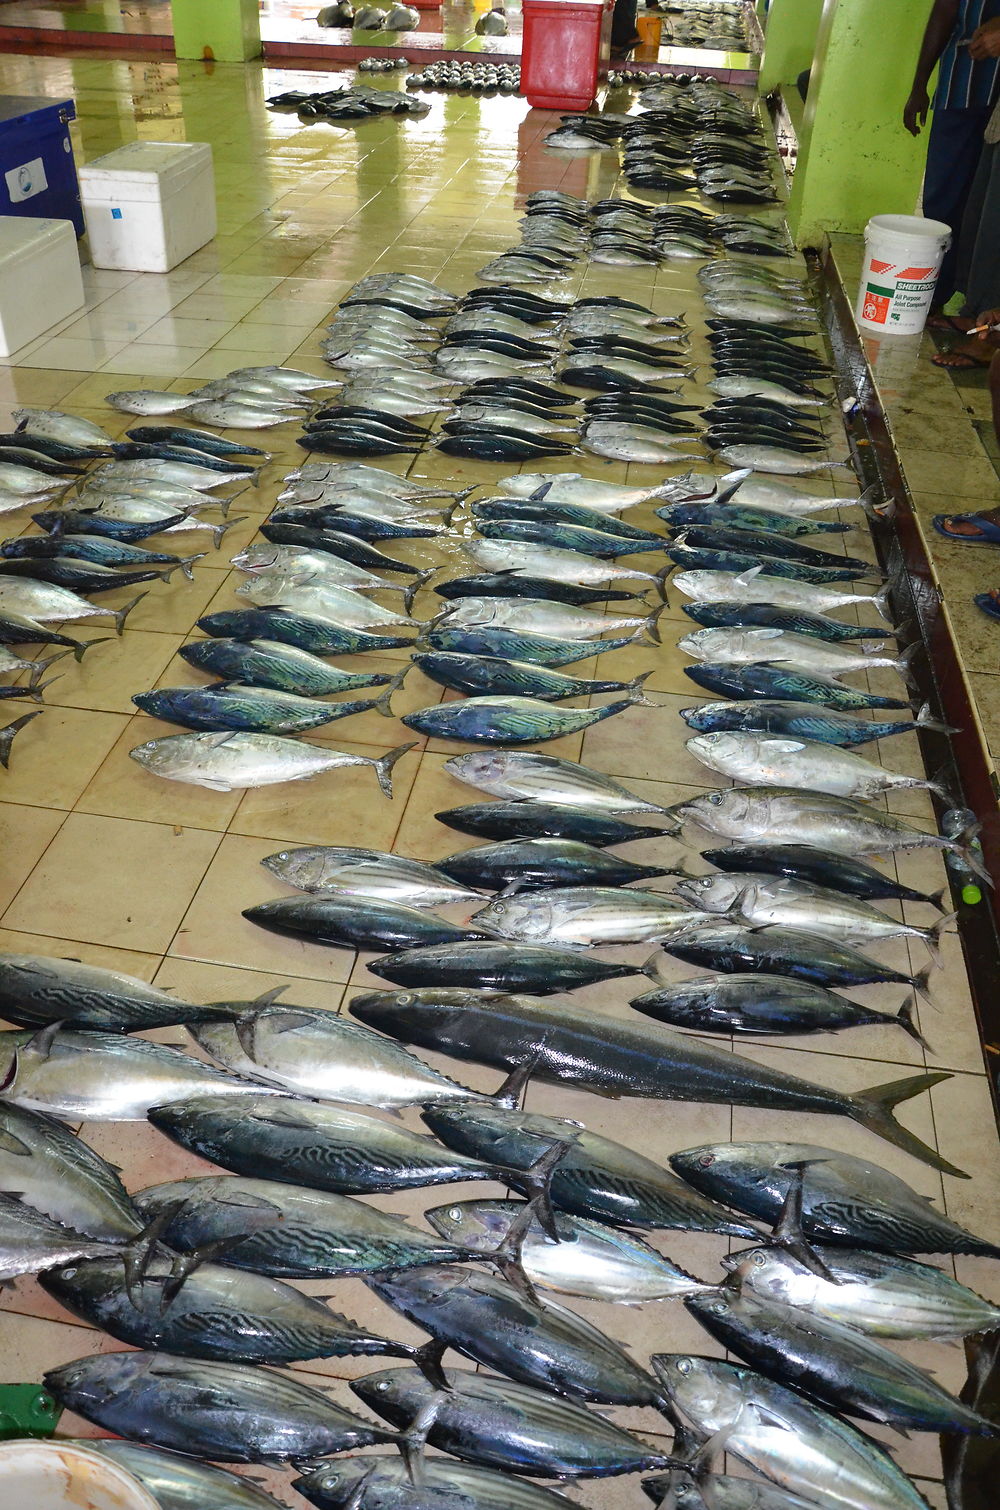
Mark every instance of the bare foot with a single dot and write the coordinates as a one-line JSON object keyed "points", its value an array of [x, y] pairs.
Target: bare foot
{"points": [[964, 355]]}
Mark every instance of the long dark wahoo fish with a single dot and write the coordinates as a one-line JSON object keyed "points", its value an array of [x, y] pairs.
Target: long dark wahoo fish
{"points": [[566, 1043]]}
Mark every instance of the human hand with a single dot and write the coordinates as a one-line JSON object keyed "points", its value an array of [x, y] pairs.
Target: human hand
{"points": [[915, 110], [985, 41], [985, 323]]}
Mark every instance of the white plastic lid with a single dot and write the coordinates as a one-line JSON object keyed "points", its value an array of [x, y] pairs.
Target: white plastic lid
{"points": [[907, 227], [25, 236], [154, 163], [64, 1476]]}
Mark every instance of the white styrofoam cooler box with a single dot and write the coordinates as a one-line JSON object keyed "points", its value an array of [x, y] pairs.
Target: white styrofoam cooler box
{"points": [[149, 205], [40, 280]]}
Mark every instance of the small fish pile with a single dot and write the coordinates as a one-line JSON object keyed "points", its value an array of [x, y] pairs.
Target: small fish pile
{"points": [[474, 78], [720, 25], [382, 65], [360, 102], [700, 127]]}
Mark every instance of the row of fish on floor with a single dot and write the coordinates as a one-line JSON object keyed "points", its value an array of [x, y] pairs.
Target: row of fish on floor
{"points": [[193, 1273]]}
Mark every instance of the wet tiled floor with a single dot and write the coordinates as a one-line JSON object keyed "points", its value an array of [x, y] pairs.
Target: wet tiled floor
{"points": [[943, 433], [102, 862]]}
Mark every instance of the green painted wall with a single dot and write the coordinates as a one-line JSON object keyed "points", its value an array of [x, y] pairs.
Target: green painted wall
{"points": [[855, 157], [227, 30], [789, 41]]}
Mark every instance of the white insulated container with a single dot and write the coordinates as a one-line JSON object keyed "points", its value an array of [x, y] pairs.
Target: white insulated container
{"points": [[41, 1475], [40, 280], [149, 205]]}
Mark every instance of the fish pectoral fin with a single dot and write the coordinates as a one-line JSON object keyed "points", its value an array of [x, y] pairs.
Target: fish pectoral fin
{"points": [[11, 1144]]}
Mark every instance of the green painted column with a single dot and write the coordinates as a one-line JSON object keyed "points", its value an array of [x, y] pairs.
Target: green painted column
{"points": [[855, 157], [226, 30], [789, 41]]}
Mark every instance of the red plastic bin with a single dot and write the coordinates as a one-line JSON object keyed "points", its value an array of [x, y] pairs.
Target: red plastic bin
{"points": [[565, 48]]}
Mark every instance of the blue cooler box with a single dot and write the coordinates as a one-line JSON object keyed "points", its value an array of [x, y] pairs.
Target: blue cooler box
{"points": [[37, 170]]}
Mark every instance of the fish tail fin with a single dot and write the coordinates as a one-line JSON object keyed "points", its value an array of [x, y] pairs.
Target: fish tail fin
{"points": [[939, 787], [938, 898], [875, 504], [921, 981], [873, 1109], [635, 685], [384, 764], [652, 626], [7, 735], [881, 602], [661, 581], [39, 669], [968, 853], [908, 1023], [219, 530], [924, 720], [50, 660], [932, 937], [82, 646], [383, 703], [123, 613], [649, 968], [414, 586], [36, 688], [186, 563]]}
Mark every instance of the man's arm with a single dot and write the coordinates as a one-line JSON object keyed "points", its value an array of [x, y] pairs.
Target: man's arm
{"points": [[940, 25]]}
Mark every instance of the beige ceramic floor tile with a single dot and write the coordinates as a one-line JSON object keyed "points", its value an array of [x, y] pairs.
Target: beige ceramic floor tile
{"points": [[57, 754], [143, 890], [25, 834], [106, 679]]}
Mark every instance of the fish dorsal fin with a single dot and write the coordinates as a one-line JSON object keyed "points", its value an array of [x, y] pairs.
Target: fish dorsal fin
{"points": [[745, 578], [41, 1044]]}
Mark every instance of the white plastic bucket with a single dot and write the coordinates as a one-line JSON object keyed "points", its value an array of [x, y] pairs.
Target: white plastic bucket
{"points": [[63, 1476], [903, 255]]}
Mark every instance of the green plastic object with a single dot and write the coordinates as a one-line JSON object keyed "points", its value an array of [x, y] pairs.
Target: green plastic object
{"points": [[27, 1410]]}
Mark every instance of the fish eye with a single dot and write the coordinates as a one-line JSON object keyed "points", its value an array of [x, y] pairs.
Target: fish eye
{"points": [[68, 1273], [718, 1307], [683, 1365], [405, 999], [715, 798], [455, 1213], [706, 1160], [282, 854], [382, 1386], [759, 1260], [498, 907]]}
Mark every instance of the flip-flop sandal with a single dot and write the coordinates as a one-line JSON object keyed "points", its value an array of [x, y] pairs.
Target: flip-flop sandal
{"points": [[970, 528], [949, 322], [989, 602], [960, 361]]}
